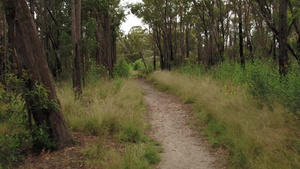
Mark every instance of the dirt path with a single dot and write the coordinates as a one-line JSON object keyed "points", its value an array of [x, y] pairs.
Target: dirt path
{"points": [[169, 120]]}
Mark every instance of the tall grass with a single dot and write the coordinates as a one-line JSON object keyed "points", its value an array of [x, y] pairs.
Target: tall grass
{"points": [[259, 78], [254, 137], [109, 108]]}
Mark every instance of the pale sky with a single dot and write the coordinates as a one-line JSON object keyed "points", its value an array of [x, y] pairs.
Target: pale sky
{"points": [[131, 20]]}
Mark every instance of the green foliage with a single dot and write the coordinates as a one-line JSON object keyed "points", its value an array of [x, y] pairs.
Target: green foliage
{"points": [[152, 153], [137, 65], [122, 69], [41, 100], [132, 57], [95, 71], [260, 78], [41, 138], [118, 85], [17, 135], [140, 156], [148, 69], [131, 133]]}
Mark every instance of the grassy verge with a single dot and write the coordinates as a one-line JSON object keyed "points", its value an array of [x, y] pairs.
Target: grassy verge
{"points": [[111, 110], [254, 137]]}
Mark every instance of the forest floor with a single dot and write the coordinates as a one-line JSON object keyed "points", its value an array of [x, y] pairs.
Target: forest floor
{"points": [[170, 119]]}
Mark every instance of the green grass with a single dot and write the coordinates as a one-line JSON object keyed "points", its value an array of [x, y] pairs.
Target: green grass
{"points": [[140, 156], [111, 108], [254, 137]]}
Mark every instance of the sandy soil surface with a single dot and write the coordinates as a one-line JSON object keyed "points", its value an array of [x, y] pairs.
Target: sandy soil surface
{"points": [[183, 149]]}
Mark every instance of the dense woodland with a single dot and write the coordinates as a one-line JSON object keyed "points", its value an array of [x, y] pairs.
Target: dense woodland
{"points": [[45, 43]]}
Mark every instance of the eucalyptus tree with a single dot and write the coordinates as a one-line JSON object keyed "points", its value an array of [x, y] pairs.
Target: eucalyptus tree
{"points": [[108, 15], [160, 15], [138, 39], [76, 36], [31, 54], [280, 30]]}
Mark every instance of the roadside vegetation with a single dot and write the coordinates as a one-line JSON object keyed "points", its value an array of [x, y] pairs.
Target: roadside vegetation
{"points": [[110, 110], [252, 113]]}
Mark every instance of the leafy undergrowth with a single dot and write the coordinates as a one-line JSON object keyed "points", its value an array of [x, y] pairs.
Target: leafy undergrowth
{"points": [[109, 123], [254, 137]]}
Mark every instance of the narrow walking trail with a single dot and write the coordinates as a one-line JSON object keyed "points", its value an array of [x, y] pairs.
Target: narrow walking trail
{"points": [[168, 118]]}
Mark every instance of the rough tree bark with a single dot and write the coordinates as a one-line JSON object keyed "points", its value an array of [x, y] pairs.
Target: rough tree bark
{"points": [[32, 57], [76, 34]]}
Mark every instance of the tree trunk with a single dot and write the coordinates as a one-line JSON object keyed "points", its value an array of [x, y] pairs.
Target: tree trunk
{"points": [[283, 47], [107, 37], [99, 57], [76, 34], [199, 47], [154, 58], [31, 52], [187, 40], [241, 34], [161, 52]]}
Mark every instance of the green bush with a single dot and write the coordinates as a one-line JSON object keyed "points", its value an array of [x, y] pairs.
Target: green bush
{"points": [[138, 65], [122, 69], [16, 134], [95, 71]]}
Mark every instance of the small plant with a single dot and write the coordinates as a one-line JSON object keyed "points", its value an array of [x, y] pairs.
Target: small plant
{"points": [[41, 138], [152, 153]]}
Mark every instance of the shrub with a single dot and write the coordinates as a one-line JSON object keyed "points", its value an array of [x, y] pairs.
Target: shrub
{"points": [[122, 69], [148, 70], [137, 65], [17, 134], [95, 71]]}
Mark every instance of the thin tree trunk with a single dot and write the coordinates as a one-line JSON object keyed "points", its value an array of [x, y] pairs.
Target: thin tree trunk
{"points": [[199, 47], [154, 56], [241, 34], [187, 40]]}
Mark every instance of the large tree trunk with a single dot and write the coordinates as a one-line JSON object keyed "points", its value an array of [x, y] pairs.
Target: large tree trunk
{"points": [[32, 55]]}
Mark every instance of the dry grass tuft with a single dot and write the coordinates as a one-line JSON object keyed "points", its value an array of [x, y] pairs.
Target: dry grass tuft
{"points": [[254, 137]]}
